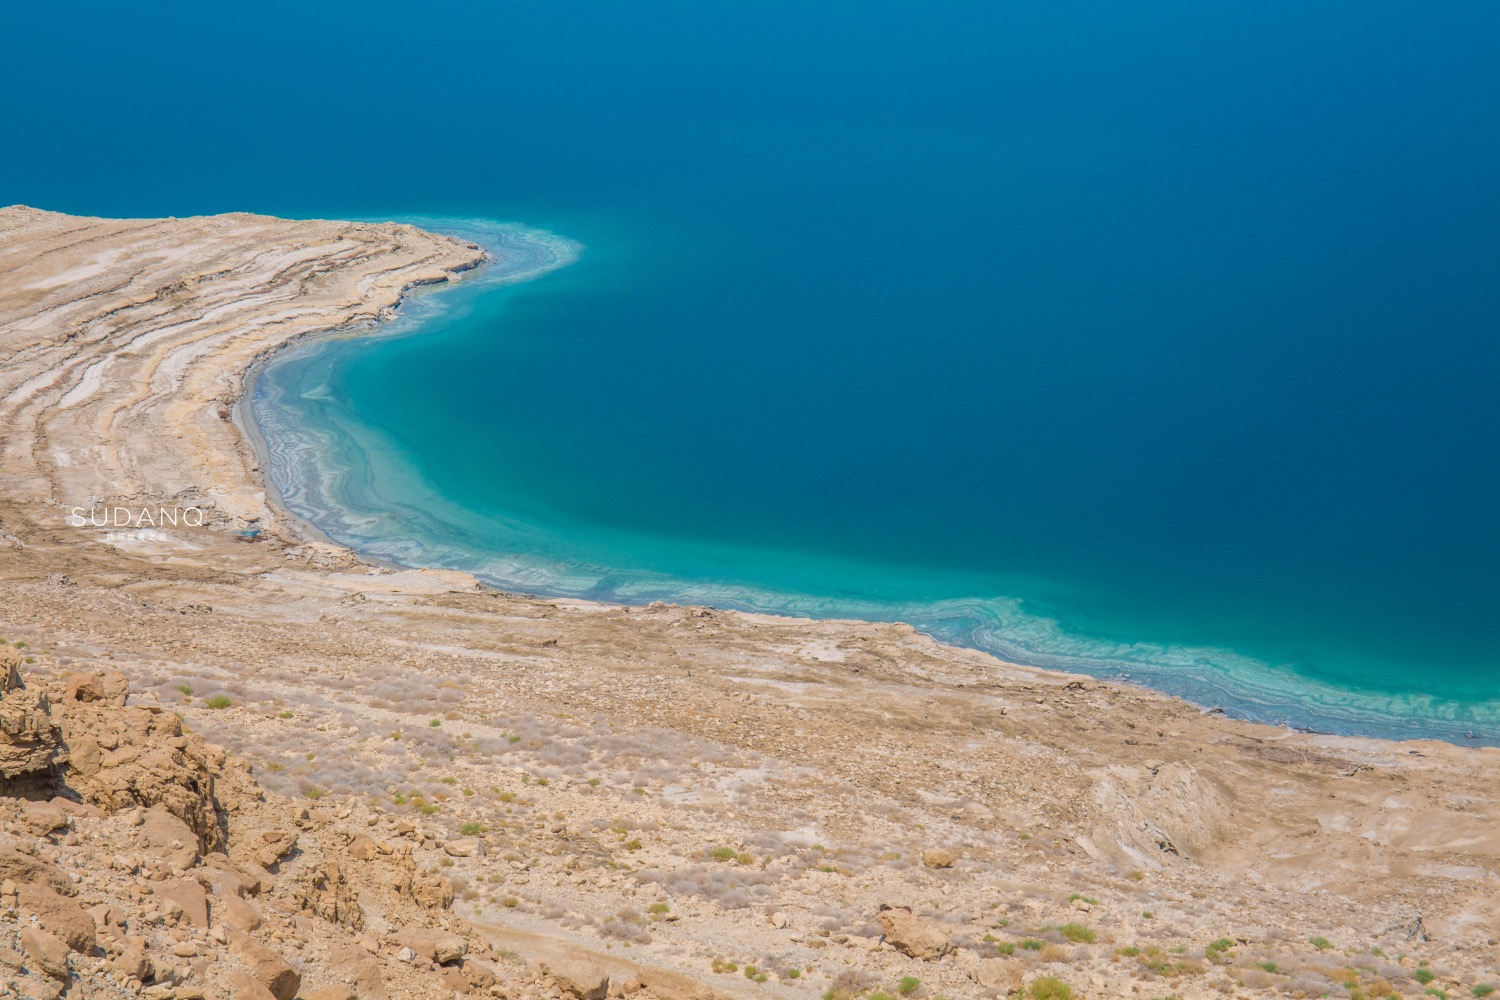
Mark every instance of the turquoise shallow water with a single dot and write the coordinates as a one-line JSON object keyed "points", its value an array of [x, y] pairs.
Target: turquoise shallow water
{"points": [[336, 433], [1156, 340]]}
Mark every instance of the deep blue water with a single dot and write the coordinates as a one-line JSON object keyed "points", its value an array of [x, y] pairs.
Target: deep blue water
{"points": [[1159, 339]]}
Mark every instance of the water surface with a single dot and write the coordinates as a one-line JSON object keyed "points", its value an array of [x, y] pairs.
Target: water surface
{"points": [[1157, 340]]}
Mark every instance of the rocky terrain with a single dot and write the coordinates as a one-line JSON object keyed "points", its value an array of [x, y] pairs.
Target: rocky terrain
{"points": [[235, 768]]}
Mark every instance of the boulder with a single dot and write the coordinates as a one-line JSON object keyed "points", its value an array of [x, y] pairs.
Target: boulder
{"points": [[467, 848], [134, 964], [937, 857], [24, 868], [437, 946], [267, 968], [272, 846], [244, 986], [48, 951], [165, 835], [480, 974], [578, 977], [43, 818], [235, 914], [358, 967], [59, 914], [218, 863], [83, 687], [189, 895], [919, 937]]}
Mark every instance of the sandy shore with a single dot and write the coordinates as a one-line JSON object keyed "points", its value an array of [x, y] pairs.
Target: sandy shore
{"points": [[123, 346]]}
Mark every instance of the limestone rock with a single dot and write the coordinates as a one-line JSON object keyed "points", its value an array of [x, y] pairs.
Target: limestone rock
{"points": [[437, 946], [219, 866], [327, 893], [577, 977], [60, 915], [479, 973], [467, 848], [329, 993], [24, 868], [273, 846], [121, 757], [29, 742], [48, 951], [268, 969], [235, 913], [360, 969], [919, 937], [166, 836], [43, 818], [189, 895], [244, 986], [133, 964]]}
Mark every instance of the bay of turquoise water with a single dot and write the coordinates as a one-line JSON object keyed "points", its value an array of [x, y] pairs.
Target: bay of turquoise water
{"points": [[1154, 340]]}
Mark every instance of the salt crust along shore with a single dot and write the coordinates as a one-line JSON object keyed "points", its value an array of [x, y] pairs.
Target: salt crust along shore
{"points": [[772, 782]]}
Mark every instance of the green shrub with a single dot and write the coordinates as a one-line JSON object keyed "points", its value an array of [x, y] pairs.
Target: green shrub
{"points": [[471, 829], [1320, 943], [186, 689], [908, 985], [1219, 946], [1267, 966], [218, 701], [1423, 976], [1031, 944], [1483, 989], [1051, 988], [1077, 933]]}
